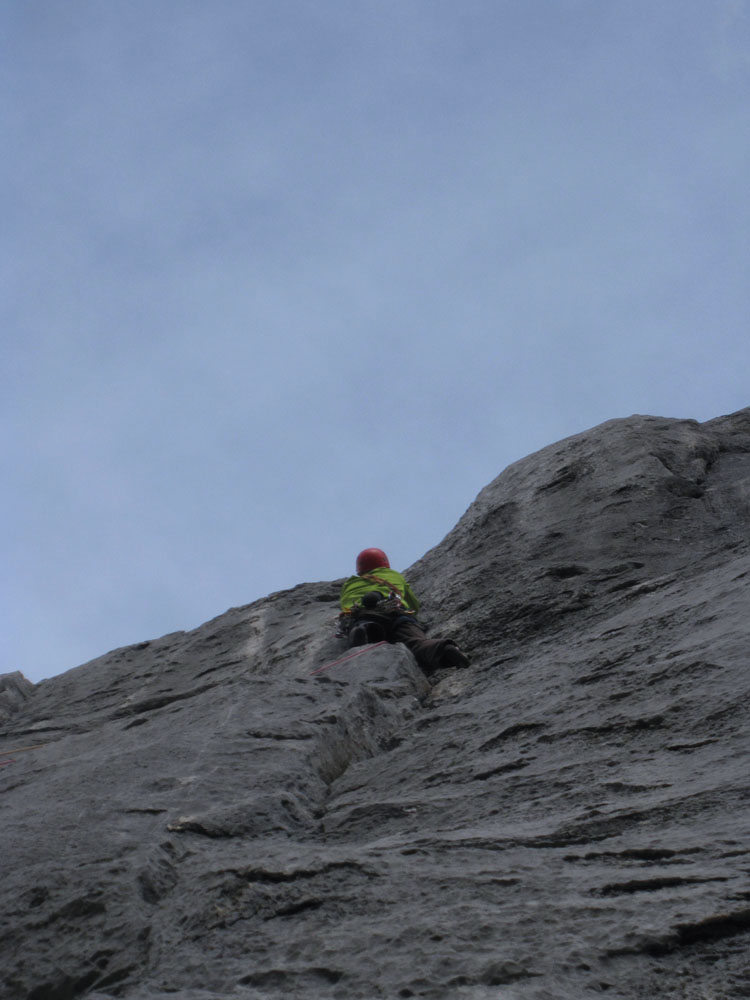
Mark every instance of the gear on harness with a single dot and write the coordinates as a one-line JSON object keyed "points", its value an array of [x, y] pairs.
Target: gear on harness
{"points": [[369, 616], [378, 603]]}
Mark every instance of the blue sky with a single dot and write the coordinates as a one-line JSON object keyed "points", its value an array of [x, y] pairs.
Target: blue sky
{"points": [[283, 279]]}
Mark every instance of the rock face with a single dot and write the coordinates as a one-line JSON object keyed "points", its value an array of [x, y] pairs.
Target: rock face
{"points": [[203, 816]]}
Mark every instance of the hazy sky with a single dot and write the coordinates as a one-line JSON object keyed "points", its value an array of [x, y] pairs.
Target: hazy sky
{"points": [[283, 279]]}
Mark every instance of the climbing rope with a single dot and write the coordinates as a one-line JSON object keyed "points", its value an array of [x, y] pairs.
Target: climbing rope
{"points": [[10, 760], [364, 649]]}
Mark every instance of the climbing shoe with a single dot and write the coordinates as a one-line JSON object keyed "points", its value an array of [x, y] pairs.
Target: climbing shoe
{"points": [[453, 656]]}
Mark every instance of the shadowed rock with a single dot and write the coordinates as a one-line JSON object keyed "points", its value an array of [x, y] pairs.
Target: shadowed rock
{"points": [[202, 815]]}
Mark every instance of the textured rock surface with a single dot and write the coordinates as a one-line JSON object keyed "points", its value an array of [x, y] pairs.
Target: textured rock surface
{"points": [[570, 817]]}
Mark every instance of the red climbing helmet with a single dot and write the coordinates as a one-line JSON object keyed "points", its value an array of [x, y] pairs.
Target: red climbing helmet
{"points": [[371, 559]]}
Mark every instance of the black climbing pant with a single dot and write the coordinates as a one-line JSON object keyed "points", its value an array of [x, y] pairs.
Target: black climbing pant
{"points": [[430, 654]]}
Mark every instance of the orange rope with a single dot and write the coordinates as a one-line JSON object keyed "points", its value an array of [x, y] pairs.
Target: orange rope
{"points": [[24, 749], [326, 666]]}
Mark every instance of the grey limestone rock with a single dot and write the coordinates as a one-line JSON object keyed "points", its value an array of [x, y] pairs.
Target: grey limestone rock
{"points": [[211, 815], [14, 690]]}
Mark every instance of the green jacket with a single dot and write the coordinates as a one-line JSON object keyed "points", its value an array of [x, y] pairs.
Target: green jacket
{"points": [[384, 581]]}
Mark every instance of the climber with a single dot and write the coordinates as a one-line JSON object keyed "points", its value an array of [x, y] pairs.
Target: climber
{"points": [[379, 605]]}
